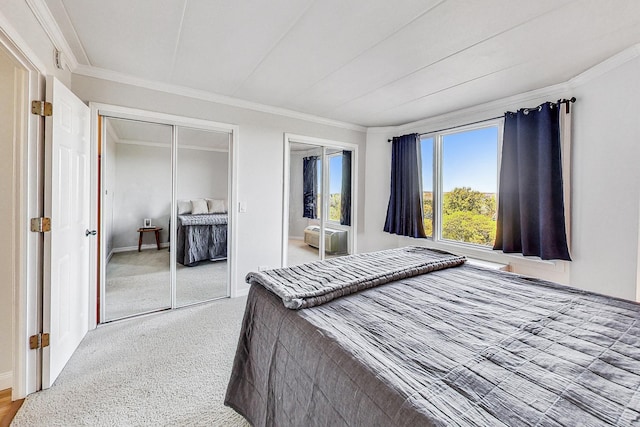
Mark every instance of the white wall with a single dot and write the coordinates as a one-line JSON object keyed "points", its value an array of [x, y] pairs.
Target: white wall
{"points": [[7, 254], [142, 190], [202, 174], [605, 181], [108, 186], [297, 222], [260, 159]]}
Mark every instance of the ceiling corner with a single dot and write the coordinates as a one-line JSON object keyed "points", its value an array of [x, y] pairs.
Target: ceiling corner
{"points": [[607, 65], [49, 25]]}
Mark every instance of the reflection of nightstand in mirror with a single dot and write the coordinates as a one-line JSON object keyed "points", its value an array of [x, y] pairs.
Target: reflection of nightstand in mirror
{"points": [[143, 230]]}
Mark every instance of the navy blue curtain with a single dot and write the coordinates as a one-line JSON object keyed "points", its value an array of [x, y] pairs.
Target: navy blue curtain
{"points": [[530, 200], [310, 187], [345, 199], [405, 213]]}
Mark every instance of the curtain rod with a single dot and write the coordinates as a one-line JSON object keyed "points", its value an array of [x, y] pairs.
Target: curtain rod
{"points": [[560, 101], [455, 127]]}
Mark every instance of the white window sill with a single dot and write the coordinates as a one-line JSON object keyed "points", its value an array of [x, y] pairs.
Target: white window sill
{"points": [[488, 264], [488, 254]]}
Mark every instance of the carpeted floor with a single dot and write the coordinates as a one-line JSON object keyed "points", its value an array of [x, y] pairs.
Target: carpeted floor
{"points": [[159, 370], [298, 252], [138, 282]]}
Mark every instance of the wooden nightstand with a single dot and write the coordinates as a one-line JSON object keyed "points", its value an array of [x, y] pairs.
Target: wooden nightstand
{"points": [[146, 230]]}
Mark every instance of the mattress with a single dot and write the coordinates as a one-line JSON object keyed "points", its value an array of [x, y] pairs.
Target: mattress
{"points": [[463, 346]]}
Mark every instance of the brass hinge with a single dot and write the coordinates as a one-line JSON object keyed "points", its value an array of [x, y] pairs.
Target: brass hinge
{"points": [[41, 108], [45, 340], [38, 341], [41, 225]]}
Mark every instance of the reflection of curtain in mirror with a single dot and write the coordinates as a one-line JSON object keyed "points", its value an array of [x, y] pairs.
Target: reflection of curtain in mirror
{"points": [[310, 187], [345, 202]]}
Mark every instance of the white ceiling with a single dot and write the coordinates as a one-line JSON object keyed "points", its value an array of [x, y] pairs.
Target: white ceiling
{"points": [[366, 62]]}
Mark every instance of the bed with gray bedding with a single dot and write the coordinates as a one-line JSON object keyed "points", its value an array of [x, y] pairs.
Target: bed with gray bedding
{"points": [[201, 237], [437, 342]]}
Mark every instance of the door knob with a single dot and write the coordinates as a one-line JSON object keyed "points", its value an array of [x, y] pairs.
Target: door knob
{"points": [[92, 232]]}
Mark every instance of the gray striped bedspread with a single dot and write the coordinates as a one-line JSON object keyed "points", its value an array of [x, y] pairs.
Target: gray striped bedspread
{"points": [[201, 237], [463, 346], [203, 219], [316, 283]]}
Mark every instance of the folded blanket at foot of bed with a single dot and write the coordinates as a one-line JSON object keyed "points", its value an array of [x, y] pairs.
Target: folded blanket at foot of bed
{"points": [[318, 282]]}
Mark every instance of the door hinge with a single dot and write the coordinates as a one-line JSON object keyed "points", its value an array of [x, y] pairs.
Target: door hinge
{"points": [[41, 225], [41, 108], [38, 341]]}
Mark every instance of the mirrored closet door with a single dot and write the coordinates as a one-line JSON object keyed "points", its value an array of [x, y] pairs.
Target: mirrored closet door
{"points": [[202, 215], [136, 188], [305, 203], [164, 234], [319, 200]]}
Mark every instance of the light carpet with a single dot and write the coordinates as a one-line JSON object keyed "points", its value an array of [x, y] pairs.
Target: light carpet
{"points": [[138, 282], [298, 252], [164, 369]]}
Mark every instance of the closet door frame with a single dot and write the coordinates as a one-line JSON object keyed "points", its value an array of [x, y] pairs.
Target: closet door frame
{"points": [[100, 111], [324, 144]]}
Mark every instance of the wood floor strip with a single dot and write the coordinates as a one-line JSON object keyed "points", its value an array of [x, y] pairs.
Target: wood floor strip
{"points": [[8, 409]]}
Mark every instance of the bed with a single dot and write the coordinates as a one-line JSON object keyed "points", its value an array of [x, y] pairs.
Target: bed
{"points": [[201, 231], [410, 337]]}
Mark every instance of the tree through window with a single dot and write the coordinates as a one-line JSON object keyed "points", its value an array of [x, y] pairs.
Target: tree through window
{"points": [[464, 166]]}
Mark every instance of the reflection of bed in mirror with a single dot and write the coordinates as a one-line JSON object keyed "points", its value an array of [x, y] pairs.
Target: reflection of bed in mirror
{"points": [[201, 231]]}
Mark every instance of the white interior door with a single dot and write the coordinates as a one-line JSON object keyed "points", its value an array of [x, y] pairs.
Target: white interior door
{"points": [[67, 246]]}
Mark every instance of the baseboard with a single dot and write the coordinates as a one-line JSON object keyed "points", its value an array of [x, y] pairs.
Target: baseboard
{"points": [[135, 248], [6, 380], [241, 292]]}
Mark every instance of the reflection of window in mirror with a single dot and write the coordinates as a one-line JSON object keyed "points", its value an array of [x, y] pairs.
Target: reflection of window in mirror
{"points": [[319, 196], [335, 186], [340, 187]]}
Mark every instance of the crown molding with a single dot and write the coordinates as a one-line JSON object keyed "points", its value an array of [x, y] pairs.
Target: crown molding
{"points": [[383, 129], [112, 132], [100, 73], [492, 108], [606, 66], [48, 23]]}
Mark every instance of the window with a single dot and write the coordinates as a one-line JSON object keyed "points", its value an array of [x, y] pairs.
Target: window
{"points": [[460, 185]]}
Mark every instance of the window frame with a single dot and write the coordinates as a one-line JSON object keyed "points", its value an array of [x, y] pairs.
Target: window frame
{"points": [[437, 193]]}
